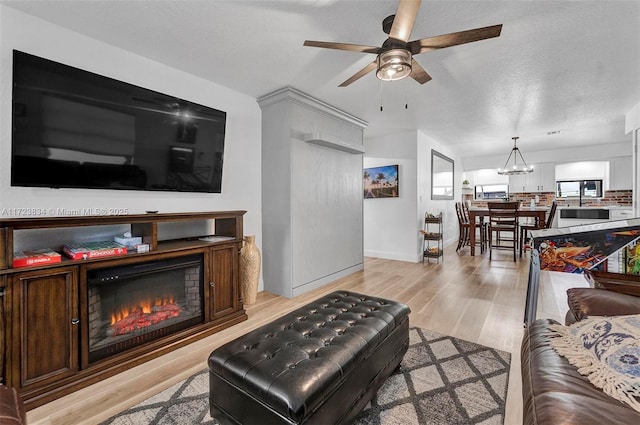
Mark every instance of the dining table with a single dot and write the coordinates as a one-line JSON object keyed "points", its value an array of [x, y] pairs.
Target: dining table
{"points": [[538, 213]]}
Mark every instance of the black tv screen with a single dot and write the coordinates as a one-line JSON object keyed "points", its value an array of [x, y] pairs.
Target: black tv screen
{"points": [[76, 129]]}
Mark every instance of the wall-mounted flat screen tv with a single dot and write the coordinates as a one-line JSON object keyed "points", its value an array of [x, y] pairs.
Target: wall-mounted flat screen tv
{"points": [[76, 129]]}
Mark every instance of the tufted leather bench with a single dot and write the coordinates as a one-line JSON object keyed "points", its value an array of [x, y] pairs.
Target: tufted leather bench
{"points": [[319, 364]]}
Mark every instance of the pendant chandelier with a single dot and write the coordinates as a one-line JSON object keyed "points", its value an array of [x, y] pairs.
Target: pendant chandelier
{"points": [[515, 168]]}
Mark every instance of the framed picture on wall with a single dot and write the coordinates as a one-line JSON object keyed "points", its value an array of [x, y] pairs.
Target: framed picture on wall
{"points": [[381, 182]]}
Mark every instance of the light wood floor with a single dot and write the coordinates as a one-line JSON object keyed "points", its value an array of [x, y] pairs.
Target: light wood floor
{"points": [[463, 296]]}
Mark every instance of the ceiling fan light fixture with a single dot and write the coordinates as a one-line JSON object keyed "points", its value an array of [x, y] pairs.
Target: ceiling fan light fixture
{"points": [[394, 64], [515, 168]]}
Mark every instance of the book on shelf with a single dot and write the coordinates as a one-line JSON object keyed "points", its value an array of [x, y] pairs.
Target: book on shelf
{"points": [[35, 257], [85, 250], [215, 238], [141, 247]]}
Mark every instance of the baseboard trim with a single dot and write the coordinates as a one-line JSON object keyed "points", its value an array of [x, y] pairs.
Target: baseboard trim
{"points": [[306, 287]]}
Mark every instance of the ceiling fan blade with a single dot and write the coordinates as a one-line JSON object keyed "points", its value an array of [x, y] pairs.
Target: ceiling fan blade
{"points": [[343, 46], [418, 73], [404, 19], [453, 39], [364, 71]]}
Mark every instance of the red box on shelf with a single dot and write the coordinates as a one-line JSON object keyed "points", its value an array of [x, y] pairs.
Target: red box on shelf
{"points": [[83, 251], [35, 257]]}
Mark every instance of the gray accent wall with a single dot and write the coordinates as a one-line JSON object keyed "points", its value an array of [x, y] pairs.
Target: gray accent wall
{"points": [[311, 192]]}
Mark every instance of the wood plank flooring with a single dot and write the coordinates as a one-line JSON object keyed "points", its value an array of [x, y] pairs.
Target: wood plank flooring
{"points": [[463, 296]]}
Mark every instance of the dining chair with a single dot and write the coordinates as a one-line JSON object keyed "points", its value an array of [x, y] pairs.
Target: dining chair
{"points": [[464, 233], [463, 227], [525, 229], [480, 226], [503, 219]]}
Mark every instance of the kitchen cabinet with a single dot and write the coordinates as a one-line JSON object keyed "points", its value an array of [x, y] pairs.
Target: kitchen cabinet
{"points": [[574, 216], [542, 179], [620, 213], [486, 177], [621, 173], [517, 183], [546, 181]]}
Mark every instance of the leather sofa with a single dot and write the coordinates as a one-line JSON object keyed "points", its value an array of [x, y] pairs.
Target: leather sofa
{"points": [[12, 410], [552, 389]]}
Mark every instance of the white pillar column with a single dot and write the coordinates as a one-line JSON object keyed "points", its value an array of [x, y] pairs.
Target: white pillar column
{"points": [[632, 125]]}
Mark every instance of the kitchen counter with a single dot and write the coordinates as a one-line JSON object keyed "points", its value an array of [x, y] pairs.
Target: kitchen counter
{"points": [[572, 215]]}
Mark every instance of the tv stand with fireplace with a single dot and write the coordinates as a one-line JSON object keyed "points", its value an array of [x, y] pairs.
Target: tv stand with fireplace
{"points": [[66, 325]]}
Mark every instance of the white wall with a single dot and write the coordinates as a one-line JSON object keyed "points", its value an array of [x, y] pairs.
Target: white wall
{"points": [[389, 230], [242, 159], [312, 194], [632, 119], [632, 127], [450, 221], [586, 153], [392, 225]]}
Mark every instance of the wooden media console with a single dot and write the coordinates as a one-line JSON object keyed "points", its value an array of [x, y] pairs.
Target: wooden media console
{"points": [[55, 333]]}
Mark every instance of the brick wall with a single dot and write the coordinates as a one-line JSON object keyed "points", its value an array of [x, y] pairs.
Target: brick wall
{"points": [[611, 197]]}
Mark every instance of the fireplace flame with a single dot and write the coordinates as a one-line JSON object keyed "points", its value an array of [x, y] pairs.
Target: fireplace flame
{"points": [[145, 313], [146, 306]]}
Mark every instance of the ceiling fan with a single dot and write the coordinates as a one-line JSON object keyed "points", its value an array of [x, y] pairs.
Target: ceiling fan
{"points": [[394, 59]]}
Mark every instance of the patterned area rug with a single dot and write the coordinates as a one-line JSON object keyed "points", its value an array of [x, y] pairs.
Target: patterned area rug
{"points": [[442, 381]]}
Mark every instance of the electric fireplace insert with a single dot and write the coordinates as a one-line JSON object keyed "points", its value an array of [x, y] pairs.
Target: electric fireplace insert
{"points": [[134, 304]]}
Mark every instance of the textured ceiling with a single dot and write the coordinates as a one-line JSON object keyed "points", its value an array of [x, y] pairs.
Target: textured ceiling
{"points": [[569, 66]]}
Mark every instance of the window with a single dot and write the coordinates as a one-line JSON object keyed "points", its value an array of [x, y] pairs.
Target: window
{"points": [[579, 189], [491, 191]]}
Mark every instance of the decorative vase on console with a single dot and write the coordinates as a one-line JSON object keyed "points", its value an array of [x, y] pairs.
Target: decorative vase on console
{"points": [[249, 269]]}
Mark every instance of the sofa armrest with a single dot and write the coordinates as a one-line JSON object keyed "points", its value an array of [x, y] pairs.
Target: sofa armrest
{"points": [[12, 411], [554, 392], [585, 302], [616, 282]]}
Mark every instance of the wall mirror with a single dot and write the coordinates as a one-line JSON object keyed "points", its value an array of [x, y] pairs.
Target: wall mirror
{"points": [[441, 176]]}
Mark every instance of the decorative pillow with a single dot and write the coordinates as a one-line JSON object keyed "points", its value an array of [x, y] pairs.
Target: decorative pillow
{"points": [[607, 351]]}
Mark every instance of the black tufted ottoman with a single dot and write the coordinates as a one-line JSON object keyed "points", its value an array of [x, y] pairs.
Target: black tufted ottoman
{"points": [[319, 364]]}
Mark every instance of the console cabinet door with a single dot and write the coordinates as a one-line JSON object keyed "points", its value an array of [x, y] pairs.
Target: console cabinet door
{"points": [[45, 326], [224, 296]]}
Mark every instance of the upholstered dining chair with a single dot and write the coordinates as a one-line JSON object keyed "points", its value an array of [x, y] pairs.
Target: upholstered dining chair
{"points": [[503, 219], [525, 229]]}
